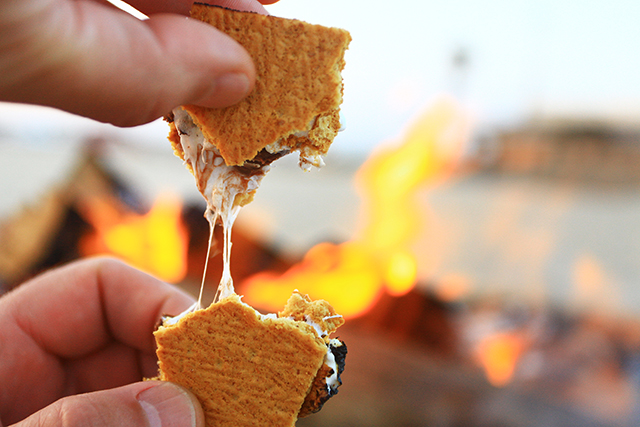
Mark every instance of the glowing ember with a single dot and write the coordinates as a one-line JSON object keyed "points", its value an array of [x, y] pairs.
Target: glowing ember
{"points": [[156, 242], [379, 258]]}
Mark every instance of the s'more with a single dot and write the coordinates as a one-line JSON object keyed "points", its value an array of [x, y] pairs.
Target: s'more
{"points": [[250, 369], [247, 368]]}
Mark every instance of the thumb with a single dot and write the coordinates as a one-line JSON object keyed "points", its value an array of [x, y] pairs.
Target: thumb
{"points": [[102, 63], [151, 403]]}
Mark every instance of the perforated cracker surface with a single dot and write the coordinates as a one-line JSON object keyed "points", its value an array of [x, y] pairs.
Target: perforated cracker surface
{"points": [[245, 371], [298, 79]]}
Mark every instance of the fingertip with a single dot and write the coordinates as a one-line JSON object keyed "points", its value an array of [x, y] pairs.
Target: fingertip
{"points": [[167, 404], [150, 403], [141, 70], [227, 90], [214, 70]]}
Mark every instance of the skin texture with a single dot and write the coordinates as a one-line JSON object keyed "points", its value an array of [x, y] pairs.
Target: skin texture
{"points": [[91, 59], [81, 328]]}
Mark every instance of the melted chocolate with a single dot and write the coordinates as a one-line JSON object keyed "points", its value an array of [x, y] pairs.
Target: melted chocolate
{"points": [[262, 159]]}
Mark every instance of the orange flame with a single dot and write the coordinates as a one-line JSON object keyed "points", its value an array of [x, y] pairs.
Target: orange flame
{"points": [[156, 242], [498, 354], [354, 274], [345, 272]]}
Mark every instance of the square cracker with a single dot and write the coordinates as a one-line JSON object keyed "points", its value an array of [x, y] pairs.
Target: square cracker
{"points": [[246, 371], [298, 82]]}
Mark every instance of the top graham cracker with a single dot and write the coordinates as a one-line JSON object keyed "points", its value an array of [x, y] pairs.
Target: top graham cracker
{"points": [[298, 82]]}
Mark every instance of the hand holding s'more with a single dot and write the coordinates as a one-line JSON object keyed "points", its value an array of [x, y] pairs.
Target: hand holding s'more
{"points": [[247, 368]]}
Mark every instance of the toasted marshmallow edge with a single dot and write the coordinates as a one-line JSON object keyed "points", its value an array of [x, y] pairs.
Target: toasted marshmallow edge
{"points": [[333, 381], [308, 156], [220, 183], [169, 320]]}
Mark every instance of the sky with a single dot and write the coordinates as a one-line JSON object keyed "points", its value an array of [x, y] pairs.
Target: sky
{"points": [[521, 60], [507, 61]]}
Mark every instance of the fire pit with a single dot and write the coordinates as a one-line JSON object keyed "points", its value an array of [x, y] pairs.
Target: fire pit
{"points": [[429, 344]]}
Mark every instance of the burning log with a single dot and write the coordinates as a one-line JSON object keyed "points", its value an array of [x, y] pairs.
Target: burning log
{"points": [[417, 319]]}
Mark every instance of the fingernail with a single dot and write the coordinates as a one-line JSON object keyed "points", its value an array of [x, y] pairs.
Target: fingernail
{"points": [[167, 405], [228, 89]]}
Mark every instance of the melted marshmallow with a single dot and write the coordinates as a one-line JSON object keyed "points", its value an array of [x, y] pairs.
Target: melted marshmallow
{"points": [[333, 380], [219, 184]]}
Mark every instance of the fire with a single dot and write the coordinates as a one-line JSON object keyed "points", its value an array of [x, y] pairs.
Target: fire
{"points": [[345, 273], [352, 275], [498, 354], [156, 242]]}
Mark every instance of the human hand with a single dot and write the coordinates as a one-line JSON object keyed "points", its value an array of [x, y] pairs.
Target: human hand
{"points": [[89, 58], [82, 328]]}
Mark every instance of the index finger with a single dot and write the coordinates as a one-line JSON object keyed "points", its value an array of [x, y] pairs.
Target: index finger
{"points": [[75, 310]]}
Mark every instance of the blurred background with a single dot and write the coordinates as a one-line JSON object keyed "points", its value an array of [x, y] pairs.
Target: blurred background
{"points": [[477, 220]]}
